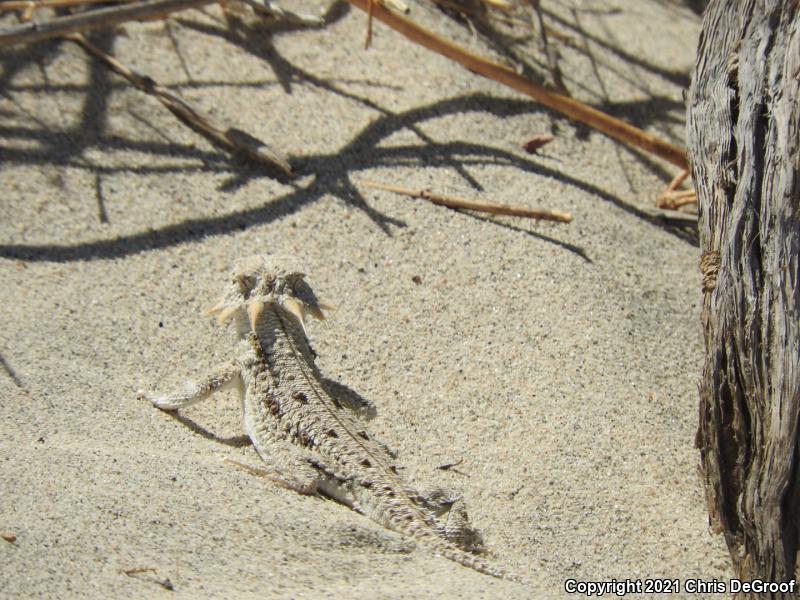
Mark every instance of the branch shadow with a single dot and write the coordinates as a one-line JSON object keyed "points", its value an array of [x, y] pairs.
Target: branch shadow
{"points": [[12, 374], [318, 175], [507, 42], [329, 174], [680, 78], [539, 236], [531, 62]]}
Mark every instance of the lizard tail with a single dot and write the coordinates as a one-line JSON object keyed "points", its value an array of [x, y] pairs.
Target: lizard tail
{"points": [[476, 563]]}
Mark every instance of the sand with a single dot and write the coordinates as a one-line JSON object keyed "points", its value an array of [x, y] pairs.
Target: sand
{"points": [[557, 364]]}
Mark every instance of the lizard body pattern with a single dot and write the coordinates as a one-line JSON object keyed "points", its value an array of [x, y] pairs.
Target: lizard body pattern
{"points": [[312, 439]]}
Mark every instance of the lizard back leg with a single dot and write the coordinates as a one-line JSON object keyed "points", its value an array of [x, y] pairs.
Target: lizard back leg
{"points": [[307, 488]]}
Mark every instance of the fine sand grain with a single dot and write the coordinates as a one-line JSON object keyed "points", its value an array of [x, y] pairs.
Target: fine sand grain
{"points": [[557, 363]]}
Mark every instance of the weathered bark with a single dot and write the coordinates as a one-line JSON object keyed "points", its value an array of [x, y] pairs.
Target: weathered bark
{"points": [[743, 134]]}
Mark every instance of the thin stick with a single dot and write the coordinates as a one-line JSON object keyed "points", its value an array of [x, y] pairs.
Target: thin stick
{"points": [[36, 4], [457, 202], [678, 180], [674, 200], [232, 140], [95, 19], [574, 109], [368, 39]]}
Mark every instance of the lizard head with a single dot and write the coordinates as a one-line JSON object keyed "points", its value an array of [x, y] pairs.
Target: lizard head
{"points": [[260, 280]]}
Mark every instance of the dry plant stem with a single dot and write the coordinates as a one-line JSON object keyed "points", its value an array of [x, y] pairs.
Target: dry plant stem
{"points": [[27, 14], [95, 19], [684, 199], [671, 199], [368, 40], [489, 207], [230, 139], [674, 200], [36, 4], [574, 109], [678, 180]]}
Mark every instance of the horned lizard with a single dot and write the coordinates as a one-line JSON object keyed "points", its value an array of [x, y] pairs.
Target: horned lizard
{"points": [[313, 440]]}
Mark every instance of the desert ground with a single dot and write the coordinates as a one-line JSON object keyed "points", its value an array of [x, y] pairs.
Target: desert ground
{"points": [[554, 365]]}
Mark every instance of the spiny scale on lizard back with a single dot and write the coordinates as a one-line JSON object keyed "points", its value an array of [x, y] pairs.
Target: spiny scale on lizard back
{"points": [[318, 420]]}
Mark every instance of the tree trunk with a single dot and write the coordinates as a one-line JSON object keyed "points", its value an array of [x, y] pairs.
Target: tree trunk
{"points": [[743, 134]]}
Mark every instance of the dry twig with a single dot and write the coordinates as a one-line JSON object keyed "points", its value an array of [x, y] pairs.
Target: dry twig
{"points": [[464, 203], [94, 19], [231, 139], [37, 4], [574, 109], [368, 39], [672, 199]]}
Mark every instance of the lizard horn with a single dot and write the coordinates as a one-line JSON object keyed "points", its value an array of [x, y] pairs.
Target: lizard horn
{"points": [[226, 314], [296, 308], [216, 308], [315, 310], [254, 310]]}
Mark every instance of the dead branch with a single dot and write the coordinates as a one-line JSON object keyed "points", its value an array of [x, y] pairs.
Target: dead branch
{"points": [[368, 39], [232, 140], [674, 200], [37, 4], [464, 203], [574, 109], [94, 19], [671, 198]]}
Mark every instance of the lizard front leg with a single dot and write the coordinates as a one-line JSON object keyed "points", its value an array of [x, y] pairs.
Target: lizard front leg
{"points": [[196, 391]]}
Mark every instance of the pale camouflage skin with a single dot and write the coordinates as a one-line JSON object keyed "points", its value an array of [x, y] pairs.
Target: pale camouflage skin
{"points": [[311, 440]]}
